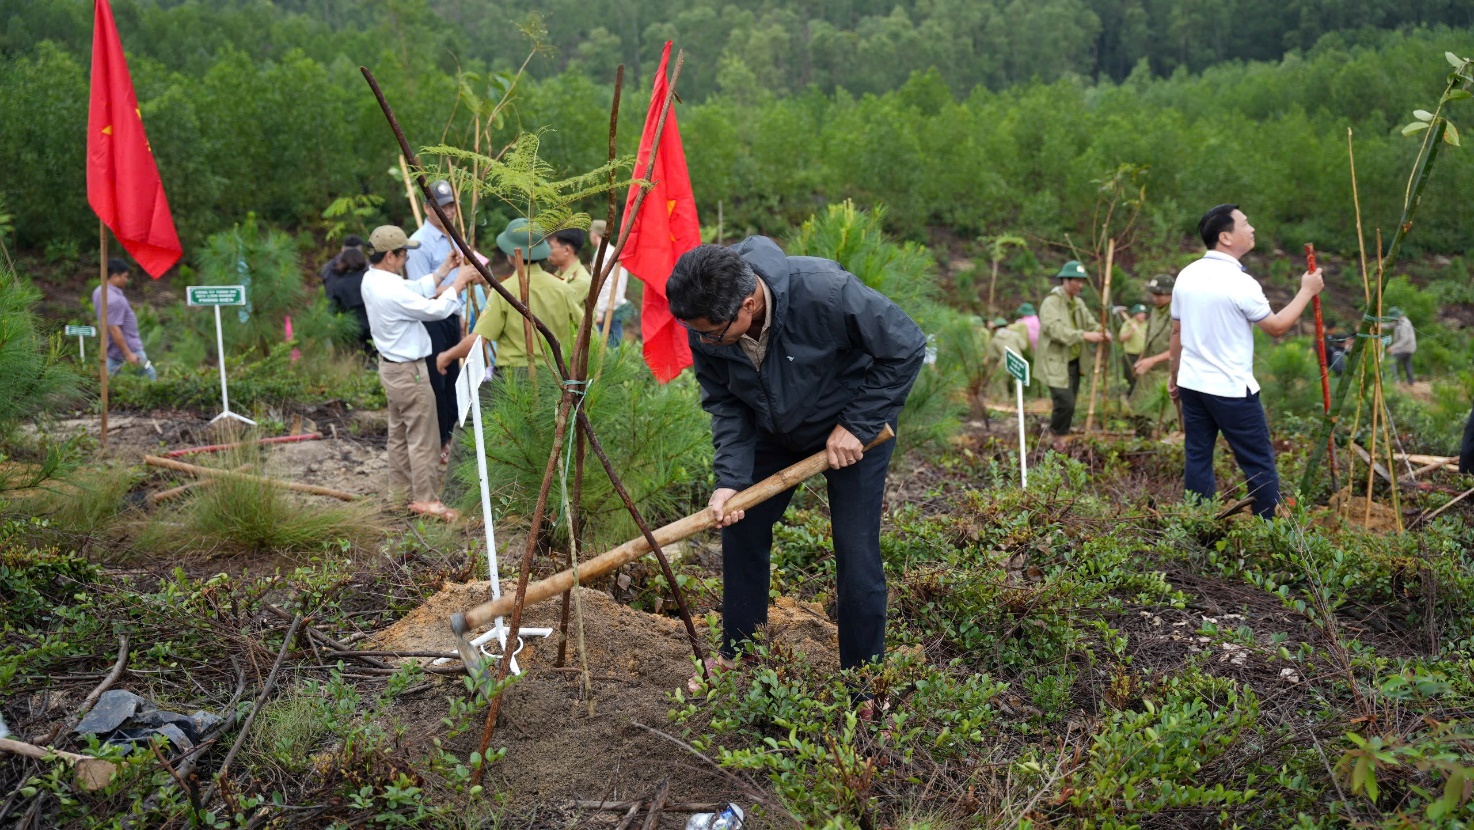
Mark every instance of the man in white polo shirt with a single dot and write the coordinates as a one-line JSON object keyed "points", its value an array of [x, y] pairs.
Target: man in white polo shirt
{"points": [[1215, 306], [397, 309]]}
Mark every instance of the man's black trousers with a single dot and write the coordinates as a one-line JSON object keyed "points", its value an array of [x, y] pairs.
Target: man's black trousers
{"points": [[1063, 398], [444, 334], [855, 496], [1242, 422]]}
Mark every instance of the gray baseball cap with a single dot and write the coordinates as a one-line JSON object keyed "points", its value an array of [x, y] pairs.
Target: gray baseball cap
{"points": [[443, 193]]}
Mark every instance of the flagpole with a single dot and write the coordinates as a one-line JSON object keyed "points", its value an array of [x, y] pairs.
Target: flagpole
{"points": [[107, 333]]}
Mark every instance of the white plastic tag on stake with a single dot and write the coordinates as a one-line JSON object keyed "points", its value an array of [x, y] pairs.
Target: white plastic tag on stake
{"points": [[463, 396], [476, 365]]}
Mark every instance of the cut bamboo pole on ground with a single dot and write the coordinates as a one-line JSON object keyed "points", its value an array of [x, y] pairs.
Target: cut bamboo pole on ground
{"points": [[1100, 348], [211, 472], [92, 773], [784, 479], [235, 445]]}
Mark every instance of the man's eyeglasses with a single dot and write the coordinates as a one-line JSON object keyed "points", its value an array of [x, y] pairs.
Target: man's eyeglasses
{"points": [[709, 336]]}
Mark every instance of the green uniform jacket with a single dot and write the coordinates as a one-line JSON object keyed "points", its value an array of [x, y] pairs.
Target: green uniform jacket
{"points": [[1062, 324], [580, 280], [1009, 338], [1158, 340], [550, 298], [1133, 337]]}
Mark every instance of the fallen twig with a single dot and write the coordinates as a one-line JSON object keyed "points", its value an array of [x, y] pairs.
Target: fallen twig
{"points": [[1428, 517], [314, 631], [240, 739], [652, 820], [678, 807]]}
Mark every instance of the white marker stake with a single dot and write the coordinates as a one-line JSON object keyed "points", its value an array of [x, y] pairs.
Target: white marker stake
{"points": [[82, 349], [217, 296], [1023, 456], [1018, 368]]}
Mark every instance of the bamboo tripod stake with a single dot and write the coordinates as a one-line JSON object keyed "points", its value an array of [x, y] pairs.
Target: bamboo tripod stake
{"points": [[1105, 311], [556, 356]]}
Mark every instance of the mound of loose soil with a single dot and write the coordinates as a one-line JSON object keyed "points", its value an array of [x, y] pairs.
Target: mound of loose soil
{"points": [[565, 745], [1355, 510]]}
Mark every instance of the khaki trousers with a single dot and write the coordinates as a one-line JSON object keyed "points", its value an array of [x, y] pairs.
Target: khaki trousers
{"points": [[414, 432]]}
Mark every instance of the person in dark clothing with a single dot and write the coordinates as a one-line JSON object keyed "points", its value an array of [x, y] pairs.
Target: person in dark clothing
{"points": [[344, 287], [1466, 450], [794, 356], [333, 266]]}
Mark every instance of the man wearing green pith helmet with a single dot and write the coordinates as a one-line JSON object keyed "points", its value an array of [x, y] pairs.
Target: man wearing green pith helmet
{"points": [[1065, 324]]}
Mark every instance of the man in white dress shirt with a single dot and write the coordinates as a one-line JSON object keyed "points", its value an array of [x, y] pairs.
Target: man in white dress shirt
{"points": [[1215, 306], [397, 309]]}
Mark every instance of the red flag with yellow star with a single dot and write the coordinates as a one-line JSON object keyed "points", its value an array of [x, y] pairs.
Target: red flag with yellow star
{"points": [[123, 183], [666, 228]]}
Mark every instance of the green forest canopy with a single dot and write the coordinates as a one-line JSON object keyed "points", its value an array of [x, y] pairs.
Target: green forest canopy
{"points": [[974, 115]]}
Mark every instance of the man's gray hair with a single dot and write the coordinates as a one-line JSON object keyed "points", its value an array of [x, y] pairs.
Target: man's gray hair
{"points": [[709, 282]]}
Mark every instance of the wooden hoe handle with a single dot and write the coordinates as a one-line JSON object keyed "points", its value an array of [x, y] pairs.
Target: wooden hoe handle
{"points": [[482, 615]]}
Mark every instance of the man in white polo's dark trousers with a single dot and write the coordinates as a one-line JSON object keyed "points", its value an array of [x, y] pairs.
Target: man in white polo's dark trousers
{"points": [[1215, 307]]}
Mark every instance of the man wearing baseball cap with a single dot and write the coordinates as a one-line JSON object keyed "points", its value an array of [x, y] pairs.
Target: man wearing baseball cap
{"points": [[437, 254], [397, 311], [1147, 406], [1065, 323]]}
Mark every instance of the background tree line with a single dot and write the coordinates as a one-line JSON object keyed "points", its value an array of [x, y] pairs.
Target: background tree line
{"points": [[259, 107]]}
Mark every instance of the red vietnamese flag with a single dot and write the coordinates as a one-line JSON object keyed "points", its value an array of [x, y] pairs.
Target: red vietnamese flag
{"points": [[665, 229], [123, 184]]}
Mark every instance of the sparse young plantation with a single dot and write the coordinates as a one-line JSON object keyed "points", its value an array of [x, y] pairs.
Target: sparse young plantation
{"points": [[206, 622]]}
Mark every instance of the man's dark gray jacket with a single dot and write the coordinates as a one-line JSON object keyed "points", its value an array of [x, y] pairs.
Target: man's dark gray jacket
{"points": [[839, 352]]}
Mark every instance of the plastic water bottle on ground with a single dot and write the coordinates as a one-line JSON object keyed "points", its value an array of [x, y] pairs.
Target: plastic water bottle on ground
{"points": [[730, 818]]}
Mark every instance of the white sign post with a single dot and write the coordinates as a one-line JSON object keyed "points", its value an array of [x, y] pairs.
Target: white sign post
{"points": [[473, 374], [1019, 369], [217, 296], [80, 332]]}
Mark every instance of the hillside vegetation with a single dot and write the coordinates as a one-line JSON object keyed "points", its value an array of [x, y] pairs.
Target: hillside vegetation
{"points": [[920, 109]]}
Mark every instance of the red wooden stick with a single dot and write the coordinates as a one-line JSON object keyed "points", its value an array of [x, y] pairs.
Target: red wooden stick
{"points": [[1320, 352]]}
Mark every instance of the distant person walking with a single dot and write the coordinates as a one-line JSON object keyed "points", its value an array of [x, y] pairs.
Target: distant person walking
{"points": [[437, 255], [1065, 324], [397, 310], [1404, 344], [124, 345], [613, 287], [1215, 306], [1150, 369]]}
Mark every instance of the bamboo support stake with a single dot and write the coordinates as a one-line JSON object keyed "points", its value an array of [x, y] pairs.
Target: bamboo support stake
{"points": [[525, 295], [409, 191], [180, 466], [557, 357], [1100, 348]]}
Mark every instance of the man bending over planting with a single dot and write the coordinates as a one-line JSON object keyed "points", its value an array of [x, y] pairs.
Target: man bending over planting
{"points": [[1215, 306], [795, 355]]}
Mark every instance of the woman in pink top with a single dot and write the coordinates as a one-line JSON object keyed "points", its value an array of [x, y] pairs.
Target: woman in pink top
{"points": [[1029, 317]]}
